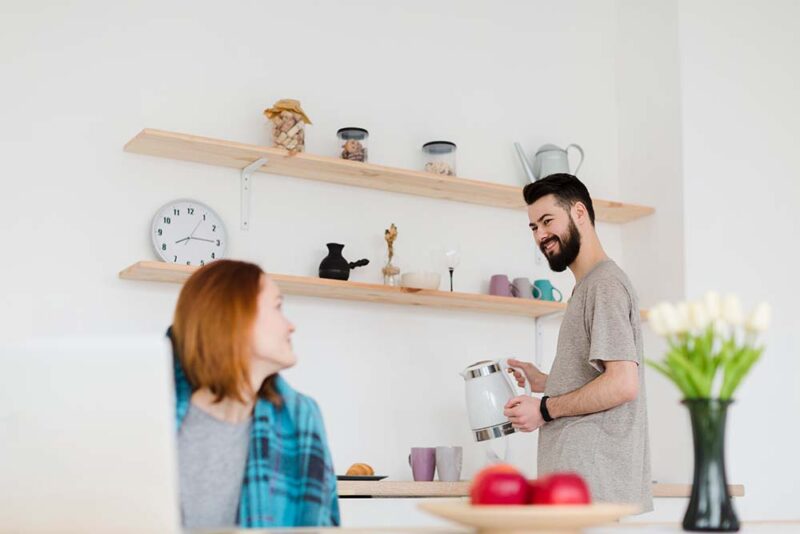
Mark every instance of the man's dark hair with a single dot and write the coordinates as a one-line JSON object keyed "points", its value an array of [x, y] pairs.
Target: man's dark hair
{"points": [[565, 187]]}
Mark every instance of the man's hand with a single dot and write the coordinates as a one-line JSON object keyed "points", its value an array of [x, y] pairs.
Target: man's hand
{"points": [[536, 378], [523, 412]]}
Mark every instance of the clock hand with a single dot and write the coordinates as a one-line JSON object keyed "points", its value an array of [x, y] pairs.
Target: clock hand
{"points": [[184, 239], [196, 227], [201, 239]]}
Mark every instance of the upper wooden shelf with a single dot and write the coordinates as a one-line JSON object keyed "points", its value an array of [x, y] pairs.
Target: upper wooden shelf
{"points": [[303, 165], [402, 488], [155, 271]]}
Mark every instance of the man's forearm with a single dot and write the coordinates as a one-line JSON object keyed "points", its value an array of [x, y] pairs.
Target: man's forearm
{"points": [[539, 383], [602, 393]]}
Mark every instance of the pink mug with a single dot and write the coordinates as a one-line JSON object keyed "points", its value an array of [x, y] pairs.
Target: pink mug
{"points": [[500, 286], [423, 462]]}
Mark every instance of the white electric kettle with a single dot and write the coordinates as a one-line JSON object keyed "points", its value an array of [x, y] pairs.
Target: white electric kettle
{"points": [[489, 386]]}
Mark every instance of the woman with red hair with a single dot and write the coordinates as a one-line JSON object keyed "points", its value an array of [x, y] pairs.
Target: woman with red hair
{"points": [[252, 451]]}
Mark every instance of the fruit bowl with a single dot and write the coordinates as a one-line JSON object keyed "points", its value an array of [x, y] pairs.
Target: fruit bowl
{"points": [[518, 519]]}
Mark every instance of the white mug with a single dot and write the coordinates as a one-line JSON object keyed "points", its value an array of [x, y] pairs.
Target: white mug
{"points": [[448, 463]]}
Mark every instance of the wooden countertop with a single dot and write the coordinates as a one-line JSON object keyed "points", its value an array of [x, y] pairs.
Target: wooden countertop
{"points": [[408, 488], [752, 527]]}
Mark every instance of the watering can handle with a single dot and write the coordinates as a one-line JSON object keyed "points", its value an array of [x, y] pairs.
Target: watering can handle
{"points": [[505, 367], [581, 160]]}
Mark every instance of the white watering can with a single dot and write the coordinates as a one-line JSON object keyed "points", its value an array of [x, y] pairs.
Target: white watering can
{"points": [[549, 159]]}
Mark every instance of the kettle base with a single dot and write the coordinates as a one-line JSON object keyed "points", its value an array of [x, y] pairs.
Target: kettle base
{"points": [[492, 432]]}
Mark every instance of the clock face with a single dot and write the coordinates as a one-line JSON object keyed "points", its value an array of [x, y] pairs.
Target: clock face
{"points": [[188, 232]]}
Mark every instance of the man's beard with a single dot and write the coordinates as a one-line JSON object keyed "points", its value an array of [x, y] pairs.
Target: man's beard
{"points": [[569, 247]]}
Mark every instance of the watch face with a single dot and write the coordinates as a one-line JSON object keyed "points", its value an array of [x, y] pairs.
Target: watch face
{"points": [[188, 232]]}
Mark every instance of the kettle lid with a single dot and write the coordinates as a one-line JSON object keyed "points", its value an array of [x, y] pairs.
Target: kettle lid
{"points": [[482, 368], [549, 148]]}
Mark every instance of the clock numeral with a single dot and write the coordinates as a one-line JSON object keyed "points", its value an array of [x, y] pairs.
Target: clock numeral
{"points": [[213, 255], [176, 212], [160, 231], [202, 262], [167, 220], [204, 216], [188, 263], [190, 211], [217, 242], [175, 259], [213, 227], [163, 246]]}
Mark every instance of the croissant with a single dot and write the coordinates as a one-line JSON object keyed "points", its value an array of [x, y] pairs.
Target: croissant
{"points": [[360, 470]]}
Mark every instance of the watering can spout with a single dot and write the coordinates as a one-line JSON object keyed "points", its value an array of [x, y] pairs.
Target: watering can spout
{"points": [[526, 166]]}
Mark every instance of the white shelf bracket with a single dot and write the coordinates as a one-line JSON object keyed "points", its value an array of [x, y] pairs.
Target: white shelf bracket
{"points": [[246, 188], [539, 333]]}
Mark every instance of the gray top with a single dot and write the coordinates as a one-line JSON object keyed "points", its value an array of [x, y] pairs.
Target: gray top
{"points": [[610, 449], [212, 456]]}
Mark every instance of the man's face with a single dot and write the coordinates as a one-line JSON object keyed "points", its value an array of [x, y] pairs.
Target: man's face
{"points": [[555, 232]]}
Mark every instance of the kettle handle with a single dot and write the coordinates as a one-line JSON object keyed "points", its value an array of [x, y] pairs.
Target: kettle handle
{"points": [[505, 367], [581, 152]]}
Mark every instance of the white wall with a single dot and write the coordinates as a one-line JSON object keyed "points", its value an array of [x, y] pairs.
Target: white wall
{"points": [[740, 66], [81, 79]]}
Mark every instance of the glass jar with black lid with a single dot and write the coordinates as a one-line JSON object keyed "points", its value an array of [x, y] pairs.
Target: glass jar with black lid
{"points": [[440, 157], [354, 143]]}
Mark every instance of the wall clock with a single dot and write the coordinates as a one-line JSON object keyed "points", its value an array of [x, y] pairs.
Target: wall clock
{"points": [[188, 232]]}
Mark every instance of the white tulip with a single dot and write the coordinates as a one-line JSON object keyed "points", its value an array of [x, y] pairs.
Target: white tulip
{"points": [[759, 320], [721, 327], [698, 316], [656, 322], [669, 317], [732, 310], [682, 309], [713, 306]]}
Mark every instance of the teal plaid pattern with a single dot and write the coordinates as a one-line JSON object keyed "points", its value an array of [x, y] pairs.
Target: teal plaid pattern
{"points": [[289, 480]]}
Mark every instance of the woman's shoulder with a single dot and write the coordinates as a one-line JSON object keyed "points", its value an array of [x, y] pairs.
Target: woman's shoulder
{"points": [[298, 403]]}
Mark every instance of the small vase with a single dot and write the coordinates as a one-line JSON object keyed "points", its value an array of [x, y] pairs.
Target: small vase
{"points": [[391, 274], [710, 507]]}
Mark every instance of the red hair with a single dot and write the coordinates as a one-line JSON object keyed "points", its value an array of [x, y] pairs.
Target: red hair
{"points": [[212, 329]]}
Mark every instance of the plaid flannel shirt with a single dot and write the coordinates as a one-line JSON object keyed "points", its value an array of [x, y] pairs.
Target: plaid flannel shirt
{"points": [[289, 479]]}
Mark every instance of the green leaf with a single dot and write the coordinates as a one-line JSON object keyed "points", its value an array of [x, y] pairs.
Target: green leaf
{"points": [[695, 376]]}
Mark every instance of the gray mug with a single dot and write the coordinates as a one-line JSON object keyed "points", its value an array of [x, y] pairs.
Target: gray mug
{"points": [[448, 463], [522, 288]]}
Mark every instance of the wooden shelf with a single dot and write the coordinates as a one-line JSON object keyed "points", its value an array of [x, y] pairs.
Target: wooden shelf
{"points": [[239, 155], [154, 271], [392, 488]]}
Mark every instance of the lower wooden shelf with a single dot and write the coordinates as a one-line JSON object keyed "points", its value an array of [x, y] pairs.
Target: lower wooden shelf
{"points": [[154, 271], [399, 488]]}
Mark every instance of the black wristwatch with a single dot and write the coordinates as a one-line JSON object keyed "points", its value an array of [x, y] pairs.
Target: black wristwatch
{"points": [[543, 409]]}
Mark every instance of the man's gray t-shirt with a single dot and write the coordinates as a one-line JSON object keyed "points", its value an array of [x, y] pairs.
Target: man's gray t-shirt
{"points": [[610, 449], [212, 457]]}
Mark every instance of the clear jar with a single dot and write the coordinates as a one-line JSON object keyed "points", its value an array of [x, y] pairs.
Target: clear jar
{"points": [[288, 131], [354, 143], [440, 157]]}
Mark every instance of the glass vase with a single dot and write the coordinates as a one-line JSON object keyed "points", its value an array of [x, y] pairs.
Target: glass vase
{"points": [[710, 507]]}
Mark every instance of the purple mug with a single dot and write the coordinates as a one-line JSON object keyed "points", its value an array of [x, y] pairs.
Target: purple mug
{"points": [[423, 462], [500, 286]]}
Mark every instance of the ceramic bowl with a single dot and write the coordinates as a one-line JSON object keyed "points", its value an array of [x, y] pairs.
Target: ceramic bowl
{"points": [[421, 280]]}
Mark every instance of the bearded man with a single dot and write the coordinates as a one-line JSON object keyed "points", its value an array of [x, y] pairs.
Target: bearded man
{"points": [[592, 418]]}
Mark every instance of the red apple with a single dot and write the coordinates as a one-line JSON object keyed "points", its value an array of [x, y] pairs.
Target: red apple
{"points": [[499, 484], [560, 488]]}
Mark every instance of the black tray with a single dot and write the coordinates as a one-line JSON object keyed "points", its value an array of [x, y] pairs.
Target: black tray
{"points": [[361, 477]]}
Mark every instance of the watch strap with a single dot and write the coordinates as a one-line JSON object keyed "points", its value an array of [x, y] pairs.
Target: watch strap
{"points": [[543, 409]]}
